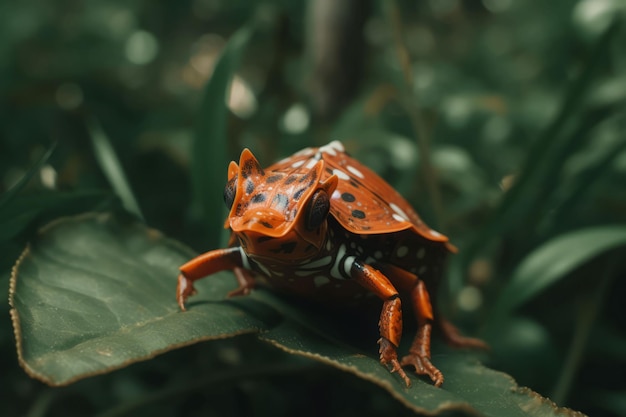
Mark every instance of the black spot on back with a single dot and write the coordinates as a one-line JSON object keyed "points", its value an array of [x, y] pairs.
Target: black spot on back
{"points": [[348, 197], [266, 224], [290, 179], [262, 239], [358, 214]]}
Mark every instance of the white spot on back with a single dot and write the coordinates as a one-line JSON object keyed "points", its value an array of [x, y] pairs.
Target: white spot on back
{"points": [[435, 233], [402, 251], [332, 148], [342, 175], [399, 211], [397, 217], [378, 254], [310, 164], [420, 253], [421, 270], [305, 151], [297, 164], [355, 171]]}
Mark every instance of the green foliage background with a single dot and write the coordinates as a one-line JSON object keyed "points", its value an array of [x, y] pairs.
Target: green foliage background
{"points": [[502, 121]]}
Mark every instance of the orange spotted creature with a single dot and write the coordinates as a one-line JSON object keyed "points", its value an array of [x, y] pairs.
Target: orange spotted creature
{"points": [[321, 225]]}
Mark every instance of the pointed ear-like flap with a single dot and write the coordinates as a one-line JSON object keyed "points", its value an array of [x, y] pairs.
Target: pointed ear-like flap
{"points": [[233, 169], [249, 165], [330, 184]]}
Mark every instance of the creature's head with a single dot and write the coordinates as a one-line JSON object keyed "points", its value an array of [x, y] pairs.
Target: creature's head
{"points": [[275, 215]]}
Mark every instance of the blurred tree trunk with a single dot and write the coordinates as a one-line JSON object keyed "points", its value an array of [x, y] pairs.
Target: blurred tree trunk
{"points": [[336, 51]]}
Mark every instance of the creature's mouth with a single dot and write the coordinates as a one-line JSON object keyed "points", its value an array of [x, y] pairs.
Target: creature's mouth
{"points": [[288, 250]]}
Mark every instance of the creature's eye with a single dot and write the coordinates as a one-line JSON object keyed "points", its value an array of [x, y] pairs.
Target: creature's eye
{"points": [[317, 210], [229, 191]]}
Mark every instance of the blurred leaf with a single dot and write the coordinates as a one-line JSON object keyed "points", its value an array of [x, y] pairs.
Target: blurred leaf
{"points": [[565, 201], [92, 294], [10, 194], [21, 212], [548, 150], [546, 155], [610, 400], [209, 150], [112, 167], [555, 260]]}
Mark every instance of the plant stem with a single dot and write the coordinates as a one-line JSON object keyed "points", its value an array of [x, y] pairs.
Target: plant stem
{"points": [[411, 104], [586, 318]]}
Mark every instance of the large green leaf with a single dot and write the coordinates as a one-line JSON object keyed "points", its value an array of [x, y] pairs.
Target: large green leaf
{"points": [[94, 293], [469, 387]]}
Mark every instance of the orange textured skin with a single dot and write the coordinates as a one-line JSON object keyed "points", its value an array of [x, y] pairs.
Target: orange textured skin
{"points": [[321, 225]]}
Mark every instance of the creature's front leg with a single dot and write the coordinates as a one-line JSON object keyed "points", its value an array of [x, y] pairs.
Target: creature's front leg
{"points": [[390, 324], [419, 353], [210, 263]]}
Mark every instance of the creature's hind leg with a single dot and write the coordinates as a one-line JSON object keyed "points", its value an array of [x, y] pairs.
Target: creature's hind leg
{"points": [[453, 336]]}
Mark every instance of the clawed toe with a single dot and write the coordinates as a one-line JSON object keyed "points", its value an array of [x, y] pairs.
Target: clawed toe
{"points": [[423, 366], [184, 290], [388, 356], [239, 292]]}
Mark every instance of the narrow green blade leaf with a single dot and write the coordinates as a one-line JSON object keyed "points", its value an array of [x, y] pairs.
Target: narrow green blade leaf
{"points": [[555, 260], [92, 294], [112, 168], [209, 157]]}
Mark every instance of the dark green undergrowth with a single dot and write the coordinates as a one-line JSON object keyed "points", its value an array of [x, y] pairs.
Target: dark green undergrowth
{"points": [[501, 122]]}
